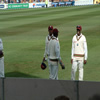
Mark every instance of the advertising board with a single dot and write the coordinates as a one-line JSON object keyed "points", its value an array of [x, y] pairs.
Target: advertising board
{"points": [[37, 5], [18, 6], [83, 2], [3, 6]]}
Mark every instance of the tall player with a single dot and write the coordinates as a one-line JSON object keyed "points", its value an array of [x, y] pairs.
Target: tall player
{"points": [[79, 53], [47, 40], [1, 59], [54, 55]]}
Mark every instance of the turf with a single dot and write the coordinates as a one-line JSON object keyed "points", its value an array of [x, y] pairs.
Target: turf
{"points": [[23, 32]]}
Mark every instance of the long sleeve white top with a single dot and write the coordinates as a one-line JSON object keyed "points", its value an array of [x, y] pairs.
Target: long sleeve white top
{"points": [[47, 40], [54, 49], [1, 45], [79, 47]]}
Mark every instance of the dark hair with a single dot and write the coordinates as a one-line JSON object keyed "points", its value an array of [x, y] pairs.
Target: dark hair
{"points": [[62, 98]]}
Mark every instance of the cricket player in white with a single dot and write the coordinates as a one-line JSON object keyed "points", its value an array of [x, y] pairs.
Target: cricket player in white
{"points": [[54, 56], [48, 38], [79, 53], [1, 60]]}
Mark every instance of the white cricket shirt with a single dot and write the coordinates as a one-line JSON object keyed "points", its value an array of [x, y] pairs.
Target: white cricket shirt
{"points": [[54, 49], [79, 47]]}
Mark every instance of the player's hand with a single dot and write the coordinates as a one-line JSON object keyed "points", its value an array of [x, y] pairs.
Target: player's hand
{"points": [[43, 59], [85, 61], [63, 67], [61, 64], [71, 61], [1, 54]]}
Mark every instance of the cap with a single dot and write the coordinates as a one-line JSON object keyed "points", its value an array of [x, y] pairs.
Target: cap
{"points": [[79, 27], [50, 28], [55, 32]]}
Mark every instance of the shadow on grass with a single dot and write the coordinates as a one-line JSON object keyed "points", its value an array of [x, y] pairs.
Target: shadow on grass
{"points": [[19, 74]]}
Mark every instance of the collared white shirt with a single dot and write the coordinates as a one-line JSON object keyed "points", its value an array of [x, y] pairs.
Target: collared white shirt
{"points": [[76, 41]]}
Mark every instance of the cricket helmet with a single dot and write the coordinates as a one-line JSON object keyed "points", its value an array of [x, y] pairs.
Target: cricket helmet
{"points": [[50, 27], [55, 32], [79, 27], [43, 66]]}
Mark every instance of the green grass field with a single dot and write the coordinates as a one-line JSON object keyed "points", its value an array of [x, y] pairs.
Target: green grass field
{"points": [[23, 32]]}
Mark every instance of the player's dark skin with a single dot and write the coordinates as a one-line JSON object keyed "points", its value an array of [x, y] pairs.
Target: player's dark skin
{"points": [[50, 32], [79, 33]]}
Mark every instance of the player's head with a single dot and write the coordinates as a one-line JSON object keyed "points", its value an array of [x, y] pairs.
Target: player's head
{"points": [[62, 98], [55, 32], [79, 29], [50, 29]]}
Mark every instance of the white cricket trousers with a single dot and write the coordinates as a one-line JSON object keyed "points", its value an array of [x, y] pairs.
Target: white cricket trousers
{"points": [[2, 67], [53, 70], [77, 64]]}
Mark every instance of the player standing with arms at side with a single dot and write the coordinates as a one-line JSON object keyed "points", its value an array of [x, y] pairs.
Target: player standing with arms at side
{"points": [[47, 40], [1, 59], [54, 56], [79, 53]]}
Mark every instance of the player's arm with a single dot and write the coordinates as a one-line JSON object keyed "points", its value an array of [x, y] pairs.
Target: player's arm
{"points": [[57, 50], [1, 49], [45, 52], [86, 51], [72, 51], [1, 45]]}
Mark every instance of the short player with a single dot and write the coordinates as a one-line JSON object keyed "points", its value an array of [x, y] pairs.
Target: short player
{"points": [[1, 59], [54, 56], [79, 53]]}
